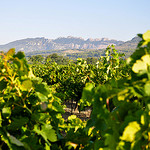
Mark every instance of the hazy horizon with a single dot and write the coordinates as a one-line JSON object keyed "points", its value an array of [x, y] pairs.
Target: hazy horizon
{"points": [[119, 20]]}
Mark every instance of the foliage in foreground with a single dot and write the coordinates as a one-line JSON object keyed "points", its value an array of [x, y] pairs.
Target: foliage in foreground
{"points": [[28, 111], [30, 115], [120, 119]]}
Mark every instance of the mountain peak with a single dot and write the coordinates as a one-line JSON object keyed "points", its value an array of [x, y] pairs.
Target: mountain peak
{"points": [[61, 43]]}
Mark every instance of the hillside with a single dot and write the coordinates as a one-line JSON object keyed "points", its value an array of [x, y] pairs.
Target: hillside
{"points": [[131, 44], [71, 47], [62, 43]]}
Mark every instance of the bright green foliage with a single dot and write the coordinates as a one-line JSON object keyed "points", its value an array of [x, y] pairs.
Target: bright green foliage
{"points": [[60, 60], [36, 59], [118, 94], [121, 108], [112, 65], [146, 37], [69, 80], [28, 112], [91, 60], [130, 131]]}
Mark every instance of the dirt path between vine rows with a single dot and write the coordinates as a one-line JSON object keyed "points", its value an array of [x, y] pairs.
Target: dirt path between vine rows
{"points": [[83, 115]]}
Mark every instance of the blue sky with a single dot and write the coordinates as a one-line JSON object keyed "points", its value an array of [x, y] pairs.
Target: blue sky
{"points": [[114, 19]]}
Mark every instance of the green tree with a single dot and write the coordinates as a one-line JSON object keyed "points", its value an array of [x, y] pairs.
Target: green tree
{"points": [[91, 60], [36, 59], [60, 60]]}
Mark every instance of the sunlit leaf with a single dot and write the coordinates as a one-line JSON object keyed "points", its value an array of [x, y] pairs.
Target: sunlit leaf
{"points": [[46, 132], [147, 89], [72, 117], [139, 66], [26, 84], [49, 132], [30, 74], [146, 59], [41, 97], [6, 112], [71, 145], [142, 120], [47, 147], [130, 131], [56, 107], [146, 36]]}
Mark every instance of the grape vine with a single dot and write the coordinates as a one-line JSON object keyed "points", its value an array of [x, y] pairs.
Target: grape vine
{"points": [[116, 90]]}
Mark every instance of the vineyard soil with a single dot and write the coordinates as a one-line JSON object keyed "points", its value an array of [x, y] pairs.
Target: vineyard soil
{"points": [[83, 115]]}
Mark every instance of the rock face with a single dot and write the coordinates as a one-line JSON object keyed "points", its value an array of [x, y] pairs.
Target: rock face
{"points": [[62, 43], [65, 43], [131, 44]]}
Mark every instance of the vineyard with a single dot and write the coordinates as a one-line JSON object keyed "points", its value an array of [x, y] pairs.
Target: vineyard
{"points": [[115, 89]]}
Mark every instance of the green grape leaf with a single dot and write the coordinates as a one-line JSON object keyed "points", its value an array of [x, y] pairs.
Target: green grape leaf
{"points": [[26, 85], [46, 132], [42, 88], [87, 91], [17, 123], [71, 145], [30, 74], [146, 37], [39, 117], [130, 131], [143, 119], [41, 97], [5, 138], [47, 147], [49, 132], [110, 141], [57, 107], [14, 140], [6, 112], [147, 89], [146, 59], [120, 145], [139, 67], [17, 62]]}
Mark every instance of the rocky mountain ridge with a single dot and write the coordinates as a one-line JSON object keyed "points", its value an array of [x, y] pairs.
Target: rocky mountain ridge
{"points": [[66, 43], [128, 45], [62, 43]]}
